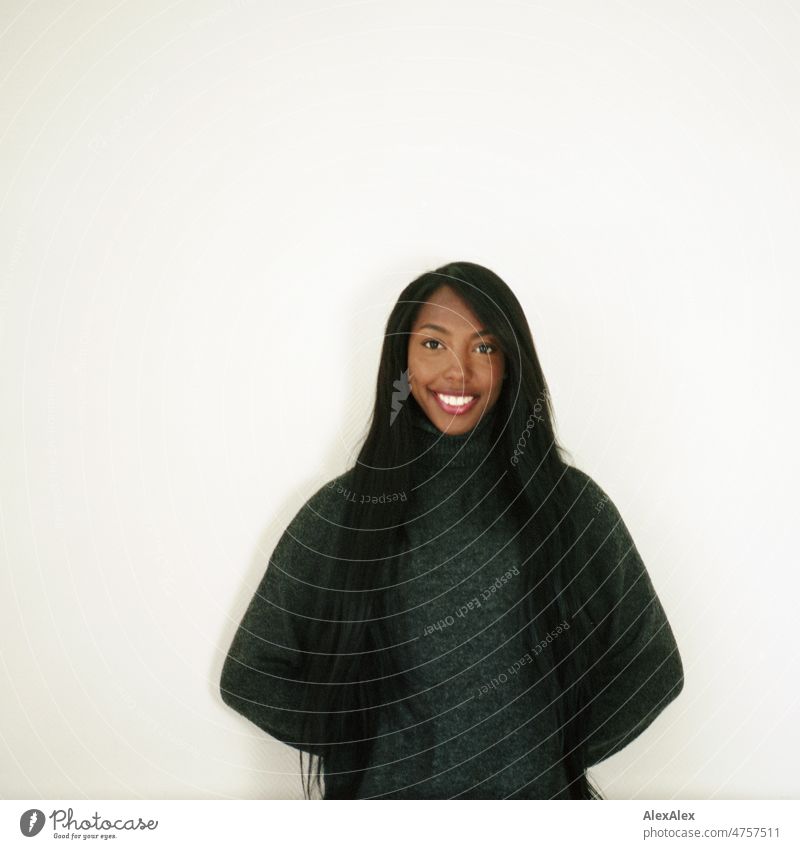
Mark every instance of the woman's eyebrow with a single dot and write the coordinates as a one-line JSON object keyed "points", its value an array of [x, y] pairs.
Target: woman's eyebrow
{"points": [[441, 329]]}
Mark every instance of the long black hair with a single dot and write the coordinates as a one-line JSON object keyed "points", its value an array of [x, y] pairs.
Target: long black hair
{"points": [[351, 670]]}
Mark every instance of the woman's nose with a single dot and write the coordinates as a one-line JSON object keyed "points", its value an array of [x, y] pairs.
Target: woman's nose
{"points": [[457, 373]]}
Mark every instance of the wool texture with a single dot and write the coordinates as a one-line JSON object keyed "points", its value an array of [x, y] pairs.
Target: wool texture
{"points": [[474, 724]]}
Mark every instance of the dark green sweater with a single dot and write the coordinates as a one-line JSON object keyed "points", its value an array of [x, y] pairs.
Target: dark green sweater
{"points": [[473, 725]]}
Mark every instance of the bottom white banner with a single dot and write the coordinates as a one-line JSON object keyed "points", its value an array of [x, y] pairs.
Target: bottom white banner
{"points": [[160, 823]]}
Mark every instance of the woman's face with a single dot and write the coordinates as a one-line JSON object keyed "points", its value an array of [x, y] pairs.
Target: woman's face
{"points": [[448, 355]]}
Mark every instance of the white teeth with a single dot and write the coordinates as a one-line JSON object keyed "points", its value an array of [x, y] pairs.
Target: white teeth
{"points": [[455, 400]]}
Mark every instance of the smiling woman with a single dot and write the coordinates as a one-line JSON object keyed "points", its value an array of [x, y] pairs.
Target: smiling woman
{"points": [[490, 636]]}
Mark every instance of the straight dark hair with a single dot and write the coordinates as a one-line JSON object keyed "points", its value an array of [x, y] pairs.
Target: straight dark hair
{"points": [[351, 669]]}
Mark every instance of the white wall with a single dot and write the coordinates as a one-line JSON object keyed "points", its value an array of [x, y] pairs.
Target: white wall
{"points": [[209, 207]]}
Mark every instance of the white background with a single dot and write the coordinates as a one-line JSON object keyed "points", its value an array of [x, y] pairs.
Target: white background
{"points": [[207, 210]]}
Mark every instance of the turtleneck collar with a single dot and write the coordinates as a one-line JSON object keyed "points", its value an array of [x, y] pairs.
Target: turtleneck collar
{"points": [[465, 449]]}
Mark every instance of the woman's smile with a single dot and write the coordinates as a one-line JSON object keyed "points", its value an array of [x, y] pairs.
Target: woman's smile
{"points": [[456, 405]]}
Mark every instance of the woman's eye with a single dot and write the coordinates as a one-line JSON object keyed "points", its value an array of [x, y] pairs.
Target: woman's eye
{"points": [[482, 345]]}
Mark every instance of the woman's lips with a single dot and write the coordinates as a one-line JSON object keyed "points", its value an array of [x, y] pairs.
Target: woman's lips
{"points": [[454, 410]]}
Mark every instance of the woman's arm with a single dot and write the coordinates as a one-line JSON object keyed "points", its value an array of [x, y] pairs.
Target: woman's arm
{"points": [[636, 668], [262, 677]]}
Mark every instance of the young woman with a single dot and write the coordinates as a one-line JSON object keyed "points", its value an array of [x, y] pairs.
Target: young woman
{"points": [[461, 614]]}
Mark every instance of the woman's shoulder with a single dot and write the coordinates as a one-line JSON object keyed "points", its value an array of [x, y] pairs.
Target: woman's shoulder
{"points": [[323, 511], [590, 500], [604, 545], [602, 533]]}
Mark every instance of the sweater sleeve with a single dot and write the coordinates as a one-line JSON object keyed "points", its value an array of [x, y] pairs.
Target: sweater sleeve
{"points": [[262, 676], [635, 669]]}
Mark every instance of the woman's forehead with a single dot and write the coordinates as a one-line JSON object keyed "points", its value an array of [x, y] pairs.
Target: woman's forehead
{"points": [[448, 310]]}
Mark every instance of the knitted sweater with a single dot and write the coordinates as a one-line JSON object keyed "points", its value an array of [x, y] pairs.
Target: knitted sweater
{"points": [[474, 724]]}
